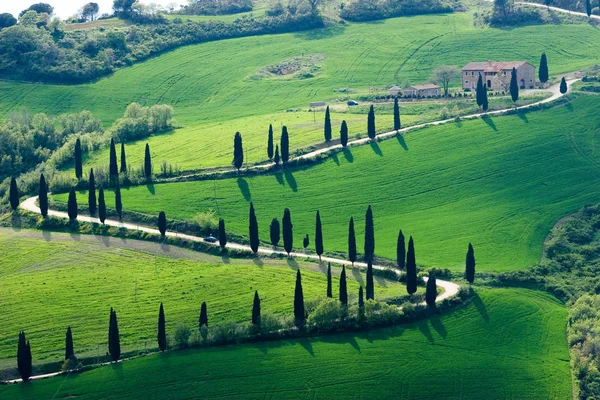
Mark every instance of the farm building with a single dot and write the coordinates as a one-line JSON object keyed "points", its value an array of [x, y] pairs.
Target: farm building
{"points": [[425, 90], [394, 91], [496, 74]]}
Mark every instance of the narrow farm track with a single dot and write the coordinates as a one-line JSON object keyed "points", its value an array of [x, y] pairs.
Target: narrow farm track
{"points": [[562, 10]]}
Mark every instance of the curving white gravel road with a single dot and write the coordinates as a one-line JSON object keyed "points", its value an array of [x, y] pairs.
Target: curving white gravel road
{"points": [[562, 10]]}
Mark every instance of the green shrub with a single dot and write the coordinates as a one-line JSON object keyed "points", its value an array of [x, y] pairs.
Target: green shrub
{"points": [[181, 336], [327, 314]]}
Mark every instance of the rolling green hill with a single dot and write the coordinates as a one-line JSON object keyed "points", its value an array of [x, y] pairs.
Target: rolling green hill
{"points": [[506, 344]]}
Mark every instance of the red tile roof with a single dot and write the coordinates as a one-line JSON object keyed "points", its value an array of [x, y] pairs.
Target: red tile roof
{"points": [[493, 66]]}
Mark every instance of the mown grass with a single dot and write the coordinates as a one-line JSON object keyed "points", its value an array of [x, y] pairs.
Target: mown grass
{"points": [[495, 347], [500, 183], [53, 280]]}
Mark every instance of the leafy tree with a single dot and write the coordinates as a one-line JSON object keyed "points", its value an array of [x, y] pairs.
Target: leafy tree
{"points": [[123, 6], [72, 205], [276, 159], [401, 251], [24, 364], [101, 206], [238, 152], [444, 75], [92, 193], [343, 287], [69, 352], [114, 340], [329, 290], [288, 234], [411, 268], [588, 8], [90, 10], [470, 265], [484, 104], [319, 236], [13, 194], [543, 71], [39, 8], [222, 234], [253, 230], [370, 284], [147, 163], [479, 91], [351, 242], [344, 134], [7, 20], [43, 196], [371, 123], [113, 167], [162, 223], [306, 241], [397, 124], [369, 235], [547, 3], [270, 143], [563, 85], [256, 309], [123, 159], [514, 86], [78, 159], [274, 231], [285, 145], [162, 333], [431, 291], [299, 313], [203, 320], [327, 127]]}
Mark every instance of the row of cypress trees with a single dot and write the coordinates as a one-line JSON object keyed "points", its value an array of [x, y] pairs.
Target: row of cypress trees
{"points": [[95, 206]]}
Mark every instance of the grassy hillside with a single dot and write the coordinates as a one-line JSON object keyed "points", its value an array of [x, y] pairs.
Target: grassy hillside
{"points": [[493, 348], [64, 280], [499, 183]]}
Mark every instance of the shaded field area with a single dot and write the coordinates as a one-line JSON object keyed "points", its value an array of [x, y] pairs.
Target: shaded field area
{"points": [[506, 338]]}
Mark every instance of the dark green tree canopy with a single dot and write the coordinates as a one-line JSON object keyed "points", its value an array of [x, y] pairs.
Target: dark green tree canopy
{"points": [[431, 291], [319, 236], [351, 242], [162, 223], [39, 8], [101, 206], [470, 265], [78, 159], [222, 234], [118, 201], [329, 288], [371, 123], [24, 364], [397, 124], [69, 351], [401, 251], [543, 71], [343, 287], [43, 196], [344, 134], [203, 320], [411, 268], [92, 193], [563, 85], [123, 159], [285, 145], [7, 20], [253, 230], [13, 194], [514, 86], [270, 143], [288, 233], [113, 167], [162, 333], [147, 162], [370, 283], [275, 232], [238, 151], [369, 236], [299, 312], [72, 205], [256, 309], [327, 126]]}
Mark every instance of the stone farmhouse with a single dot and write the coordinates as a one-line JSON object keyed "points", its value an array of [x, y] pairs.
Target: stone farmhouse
{"points": [[496, 74], [424, 90]]}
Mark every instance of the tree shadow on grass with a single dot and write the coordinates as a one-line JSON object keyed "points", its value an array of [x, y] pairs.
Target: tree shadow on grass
{"points": [[244, 188], [16, 221], [165, 247], [307, 345], [279, 177], [436, 323], [258, 262], [402, 142], [376, 148], [348, 155], [47, 236], [319, 34], [490, 122], [357, 276], [523, 116], [480, 306], [424, 328], [335, 158], [291, 181], [150, 188], [569, 107], [292, 263]]}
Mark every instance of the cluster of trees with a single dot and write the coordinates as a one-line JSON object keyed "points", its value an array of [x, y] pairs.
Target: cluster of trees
{"points": [[217, 7], [367, 10], [139, 122]]}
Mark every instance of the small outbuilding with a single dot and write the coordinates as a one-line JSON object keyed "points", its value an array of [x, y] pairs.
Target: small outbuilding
{"points": [[317, 104], [424, 90], [394, 91]]}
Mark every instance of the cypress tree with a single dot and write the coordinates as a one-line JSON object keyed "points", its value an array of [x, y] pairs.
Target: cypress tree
{"points": [[327, 127], [253, 230], [397, 124], [588, 8], [514, 86], [162, 223], [361, 298], [238, 152], [43, 196], [484, 104], [72, 205], [24, 364], [351, 242], [371, 123], [370, 284], [288, 234], [92, 194], [319, 236], [431, 291], [118, 202], [123, 159], [203, 321], [276, 159], [147, 163], [543, 71], [470, 265], [256, 309], [329, 289], [285, 145], [101, 206], [479, 91], [114, 340], [222, 234], [369, 236], [13, 194], [69, 352], [275, 232], [411, 268], [270, 143], [563, 85], [306, 241], [113, 167], [343, 288], [344, 134], [162, 333], [78, 161], [401, 251], [299, 301]]}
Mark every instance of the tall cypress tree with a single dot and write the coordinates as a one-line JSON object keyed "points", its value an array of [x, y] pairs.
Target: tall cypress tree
{"points": [[92, 193], [69, 352], [351, 242], [431, 291], [43, 196], [543, 71], [123, 159], [484, 104], [479, 91], [588, 8], [514, 86], [470, 265], [256, 309], [327, 127], [401, 251], [299, 315], [270, 143], [222, 234], [147, 163], [203, 320], [319, 236], [344, 134], [253, 230], [397, 124], [238, 152], [275, 232], [329, 289], [285, 145], [563, 85], [276, 158], [162, 223], [361, 299], [369, 236], [371, 123], [13, 194], [114, 340], [370, 284], [101, 206], [24, 364], [78, 160], [411, 268], [162, 333], [288, 234], [113, 167], [343, 287], [72, 205], [118, 202]]}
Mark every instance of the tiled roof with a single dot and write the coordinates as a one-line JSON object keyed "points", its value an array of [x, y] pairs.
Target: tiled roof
{"points": [[424, 86], [492, 66]]}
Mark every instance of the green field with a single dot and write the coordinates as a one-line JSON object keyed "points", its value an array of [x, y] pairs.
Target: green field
{"points": [[506, 344], [53, 280], [499, 183]]}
